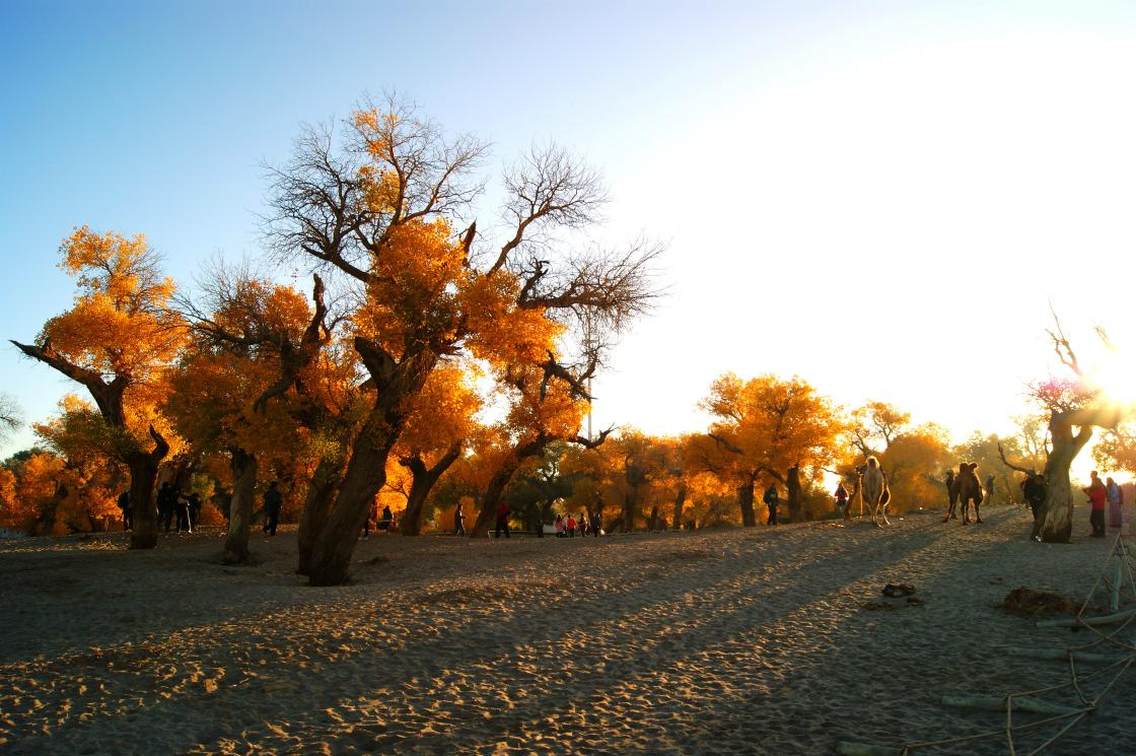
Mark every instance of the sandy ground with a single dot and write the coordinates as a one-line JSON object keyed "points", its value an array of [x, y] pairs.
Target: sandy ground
{"points": [[713, 642]]}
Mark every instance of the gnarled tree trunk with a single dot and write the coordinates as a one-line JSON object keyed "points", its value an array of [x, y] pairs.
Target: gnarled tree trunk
{"points": [[423, 480], [487, 515], [143, 468], [680, 500], [793, 486], [1055, 523], [243, 465], [745, 502], [321, 494], [366, 472]]}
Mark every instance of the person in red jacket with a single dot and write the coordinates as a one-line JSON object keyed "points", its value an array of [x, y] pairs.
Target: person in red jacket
{"points": [[571, 526], [1097, 497], [502, 520], [841, 496]]}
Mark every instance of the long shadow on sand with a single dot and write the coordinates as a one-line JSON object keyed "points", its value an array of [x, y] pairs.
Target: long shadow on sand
{"points": [[730, 604]]}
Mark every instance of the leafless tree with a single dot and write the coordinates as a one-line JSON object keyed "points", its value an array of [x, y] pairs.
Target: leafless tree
{"points": [[10, 416]]}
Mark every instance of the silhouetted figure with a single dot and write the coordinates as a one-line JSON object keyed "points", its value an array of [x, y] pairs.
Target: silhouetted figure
{"points": [[127, 510], [841, 496], [1097, 498], [502, 520], [386, 519], [1115, 503], [183, 518], [273, 501], [596, 520], [1034, 491], [372, 518], [770, 499], [459, 520], [990, 489], [194, 509], [167, 500]]}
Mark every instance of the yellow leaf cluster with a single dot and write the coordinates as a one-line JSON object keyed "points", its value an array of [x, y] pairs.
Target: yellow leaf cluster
{"points": [[500, 331], [442, 414], [413, 293]]}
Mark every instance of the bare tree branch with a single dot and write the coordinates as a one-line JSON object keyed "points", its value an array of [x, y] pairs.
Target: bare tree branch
{"points": [[548, 186], [10, 417], [1007, 463], [592, 443]]}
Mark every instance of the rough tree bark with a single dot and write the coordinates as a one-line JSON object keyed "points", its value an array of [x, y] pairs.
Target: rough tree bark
{"points": [[143, 467], [793, 486], [423, 479], [745, 501], [321, 494], [366, 469], [243, 465], [1055, 524], [680, 500], [487, 515]]}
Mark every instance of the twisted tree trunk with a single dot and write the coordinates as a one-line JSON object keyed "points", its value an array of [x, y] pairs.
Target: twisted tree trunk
{"points": [[423, 480], [243, 465], [487, 515], [680, 500], [143, 468], [321, 494], [793, 486], [1055, 522], [745, 502], [366, 473]]}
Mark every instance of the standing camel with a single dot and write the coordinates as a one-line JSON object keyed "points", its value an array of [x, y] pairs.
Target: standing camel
{"points": [[969, 489], [875, 492]]}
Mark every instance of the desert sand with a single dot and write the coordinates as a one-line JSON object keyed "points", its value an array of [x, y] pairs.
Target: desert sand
{"points": [[724, 641]]}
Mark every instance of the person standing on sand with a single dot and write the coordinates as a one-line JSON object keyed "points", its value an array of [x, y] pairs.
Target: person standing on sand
{"points": [[194, 507], [596, 524], [1115, 503], [127, 512], [571, 526], [842, 500], [273, 500], [502, 520], [770, 499], [1097, 497], [459, 520], [1034, 491], [166, 501]]}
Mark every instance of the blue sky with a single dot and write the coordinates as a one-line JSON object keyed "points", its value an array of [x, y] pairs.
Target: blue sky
{"points": [[798, 159]]}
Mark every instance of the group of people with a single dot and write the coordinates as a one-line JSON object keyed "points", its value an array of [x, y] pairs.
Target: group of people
{"points": [[567, 526], [174, 505], [1101, 495], [180, 510]]}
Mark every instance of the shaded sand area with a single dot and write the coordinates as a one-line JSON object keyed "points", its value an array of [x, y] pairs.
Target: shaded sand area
{"points": [[728, 641]]}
